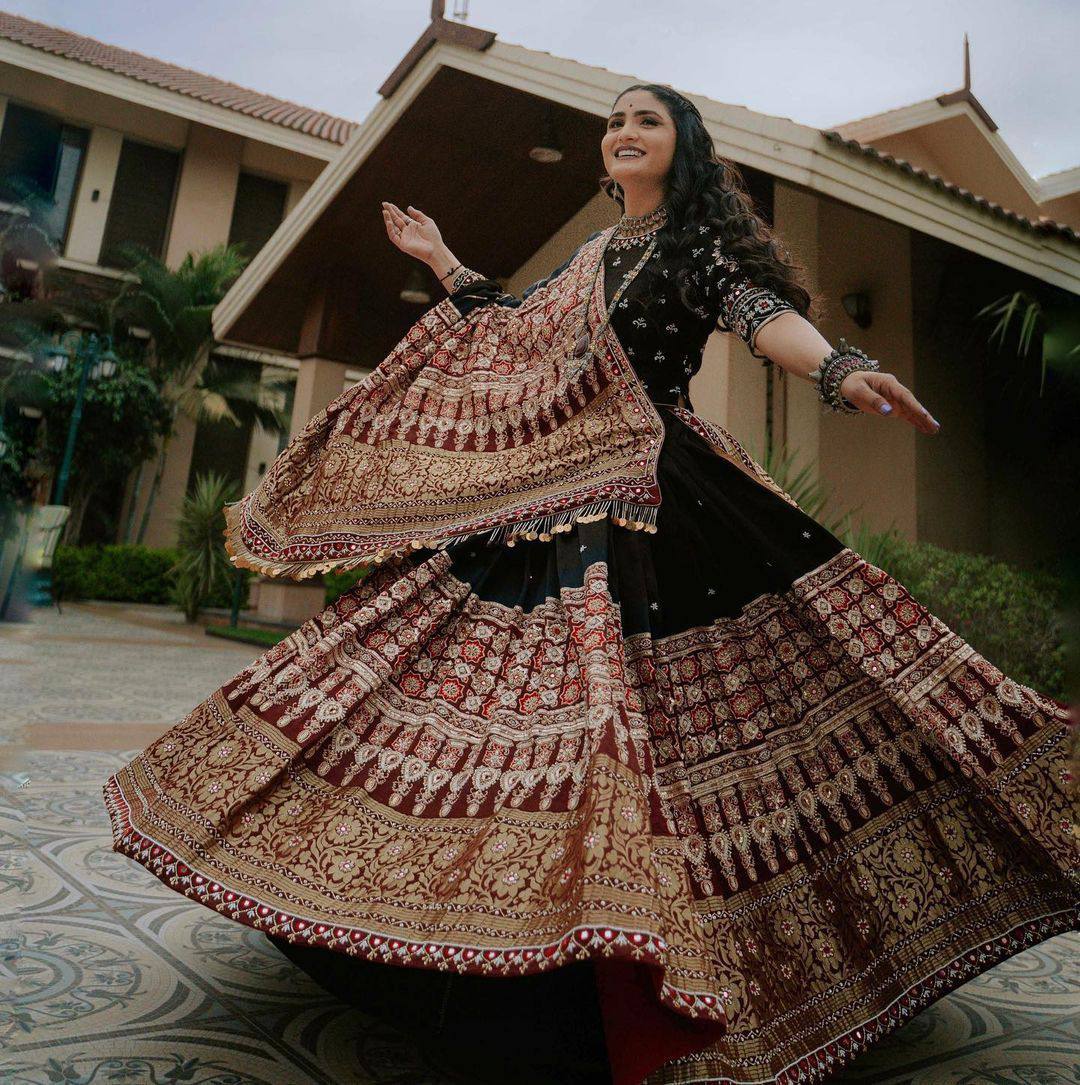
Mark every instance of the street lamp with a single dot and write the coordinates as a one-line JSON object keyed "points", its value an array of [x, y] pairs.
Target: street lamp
{"points": [[97, 364]]}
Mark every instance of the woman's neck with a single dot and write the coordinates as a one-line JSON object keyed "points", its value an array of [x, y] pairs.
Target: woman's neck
{"points": [[641, 203]]}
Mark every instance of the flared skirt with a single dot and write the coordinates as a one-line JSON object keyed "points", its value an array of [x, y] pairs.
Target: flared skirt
{"points": [[722, 803]]}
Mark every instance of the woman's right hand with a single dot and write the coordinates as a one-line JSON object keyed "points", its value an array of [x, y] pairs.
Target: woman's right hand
{"points": [[414, 233]]}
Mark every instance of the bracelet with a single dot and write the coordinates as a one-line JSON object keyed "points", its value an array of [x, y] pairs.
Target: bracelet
{"points": [[834, 367], [450, 272]]}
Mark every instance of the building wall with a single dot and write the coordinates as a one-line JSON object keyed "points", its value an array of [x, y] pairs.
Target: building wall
{"points": [[212, 160]]}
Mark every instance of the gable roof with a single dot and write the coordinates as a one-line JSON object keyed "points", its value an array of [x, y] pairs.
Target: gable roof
{"points": [[1041, 225], [185, 81]]}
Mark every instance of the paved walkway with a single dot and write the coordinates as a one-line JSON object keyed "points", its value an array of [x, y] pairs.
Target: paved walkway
{"points": [[124, 980]]}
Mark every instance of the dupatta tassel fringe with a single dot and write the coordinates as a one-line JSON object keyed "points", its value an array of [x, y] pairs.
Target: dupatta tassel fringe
{"points": [[628, 514]]}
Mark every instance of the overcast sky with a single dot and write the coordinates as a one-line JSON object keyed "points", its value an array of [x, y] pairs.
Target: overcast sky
{"points": [[819, 63]]}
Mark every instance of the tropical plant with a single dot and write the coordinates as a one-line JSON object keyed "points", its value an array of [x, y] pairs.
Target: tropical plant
{"points": [[1056, 320], [175, 307], [203, 565], [803, 484]]}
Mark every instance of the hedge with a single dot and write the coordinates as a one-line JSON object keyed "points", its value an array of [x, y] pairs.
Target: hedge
{"points": [[1010, 615], [127, 573]]}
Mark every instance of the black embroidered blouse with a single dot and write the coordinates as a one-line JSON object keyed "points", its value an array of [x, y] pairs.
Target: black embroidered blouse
{"points": [[662, 337]]}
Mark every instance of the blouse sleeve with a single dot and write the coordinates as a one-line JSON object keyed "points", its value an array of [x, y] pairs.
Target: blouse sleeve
{"points": [[477, 290], [732, 301]]}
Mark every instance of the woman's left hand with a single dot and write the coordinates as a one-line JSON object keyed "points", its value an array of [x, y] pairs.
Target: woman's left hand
{"points": [[882, 394]]}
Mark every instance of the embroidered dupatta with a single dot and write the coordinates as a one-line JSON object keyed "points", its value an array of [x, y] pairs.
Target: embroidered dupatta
{"points": [[471, 424]]}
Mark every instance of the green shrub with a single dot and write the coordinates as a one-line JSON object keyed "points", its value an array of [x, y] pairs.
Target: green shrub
{"points": [[128, 573], [1012, 616], [203, 568]]}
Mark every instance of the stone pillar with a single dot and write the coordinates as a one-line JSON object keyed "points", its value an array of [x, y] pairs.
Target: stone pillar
{"points": [[319, 381], [869, 463], [796, 406], [88, 215], [730, 389], [202, 214], [205, 193]]}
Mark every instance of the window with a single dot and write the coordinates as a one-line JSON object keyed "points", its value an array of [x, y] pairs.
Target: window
{"points": [[142, 199], [42, 155], [257, 212]]}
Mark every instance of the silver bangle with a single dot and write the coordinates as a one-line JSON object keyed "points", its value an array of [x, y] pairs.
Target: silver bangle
{"points": [[834, 367]]}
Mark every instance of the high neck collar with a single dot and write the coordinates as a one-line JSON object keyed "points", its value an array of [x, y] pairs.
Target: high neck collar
{"points": [[640, 225]]}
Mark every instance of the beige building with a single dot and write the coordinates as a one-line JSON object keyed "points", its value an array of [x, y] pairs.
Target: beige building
{"points": [[133, 149], [906, 222]]}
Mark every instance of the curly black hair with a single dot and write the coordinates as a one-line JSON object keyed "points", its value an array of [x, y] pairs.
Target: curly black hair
{"points": [[703, 188]]}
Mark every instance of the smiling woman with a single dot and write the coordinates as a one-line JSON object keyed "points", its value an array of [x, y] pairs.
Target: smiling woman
{"points": [[618, 766]]}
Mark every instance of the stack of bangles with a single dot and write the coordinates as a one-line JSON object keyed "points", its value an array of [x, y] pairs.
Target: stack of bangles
{"points": [[833, 369]]}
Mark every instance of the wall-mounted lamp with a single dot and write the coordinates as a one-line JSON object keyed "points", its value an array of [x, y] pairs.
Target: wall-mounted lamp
{"points": [[857, 306], [415, 289], [548, 149]]}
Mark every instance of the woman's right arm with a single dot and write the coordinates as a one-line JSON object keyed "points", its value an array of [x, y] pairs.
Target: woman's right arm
{"points": [[417, 234]]}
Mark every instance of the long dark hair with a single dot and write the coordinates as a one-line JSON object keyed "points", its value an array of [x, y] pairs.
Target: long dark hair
{"points": [[704, 188]]}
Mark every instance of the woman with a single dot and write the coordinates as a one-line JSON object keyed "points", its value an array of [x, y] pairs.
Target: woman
{"points": [[656, 780]]}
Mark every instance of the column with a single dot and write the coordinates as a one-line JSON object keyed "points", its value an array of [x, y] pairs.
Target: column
{"points": [[796, 406], [202, 214], [89, 213]]}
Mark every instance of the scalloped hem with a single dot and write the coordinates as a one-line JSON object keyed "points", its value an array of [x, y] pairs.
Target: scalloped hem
{"points": [[583, 942]]}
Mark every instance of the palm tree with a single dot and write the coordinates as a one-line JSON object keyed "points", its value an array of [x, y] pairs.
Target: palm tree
{"points": [[175, 307]]}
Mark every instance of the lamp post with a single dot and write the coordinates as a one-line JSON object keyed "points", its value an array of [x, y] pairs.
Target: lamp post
{"points": [[96, 363]]}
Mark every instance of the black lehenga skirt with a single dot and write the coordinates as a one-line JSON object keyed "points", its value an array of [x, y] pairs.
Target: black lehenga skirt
{"points": [[720, 803]]}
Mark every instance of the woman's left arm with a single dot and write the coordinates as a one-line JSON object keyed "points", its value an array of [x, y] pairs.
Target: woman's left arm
{"points": [[794, 344]]}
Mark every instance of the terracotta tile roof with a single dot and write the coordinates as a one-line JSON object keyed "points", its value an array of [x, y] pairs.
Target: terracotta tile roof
{"points": [[160, 73], [1042, 225]]}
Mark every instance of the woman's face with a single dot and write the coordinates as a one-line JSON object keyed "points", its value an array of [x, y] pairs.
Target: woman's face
{"points": [[640, 122]]}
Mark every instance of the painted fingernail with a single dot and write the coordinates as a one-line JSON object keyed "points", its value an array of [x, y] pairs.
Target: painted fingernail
{"points": [[885, 408]]}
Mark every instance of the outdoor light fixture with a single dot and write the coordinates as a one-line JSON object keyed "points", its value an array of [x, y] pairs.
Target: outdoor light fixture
{"points": [[415, 290], [105, 366], [857, 306], [57, 357], [548, 149]]}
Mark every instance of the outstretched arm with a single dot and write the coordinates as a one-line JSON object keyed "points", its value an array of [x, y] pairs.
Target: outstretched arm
{"points": [[795, 345], [776, 332]]}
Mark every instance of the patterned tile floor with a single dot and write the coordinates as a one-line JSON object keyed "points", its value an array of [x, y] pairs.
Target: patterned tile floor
{"points": [[120, 980]]}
